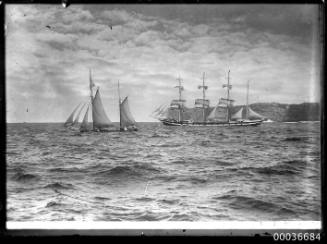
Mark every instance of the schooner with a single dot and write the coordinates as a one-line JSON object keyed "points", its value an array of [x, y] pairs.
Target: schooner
{"points": [[202, 115], [100, 120]]}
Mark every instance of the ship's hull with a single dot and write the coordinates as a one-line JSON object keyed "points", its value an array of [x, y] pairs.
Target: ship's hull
{"points": [[221, 124]]}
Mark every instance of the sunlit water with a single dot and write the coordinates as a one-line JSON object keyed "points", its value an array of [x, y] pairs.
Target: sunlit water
{"points": [[269, 172]]}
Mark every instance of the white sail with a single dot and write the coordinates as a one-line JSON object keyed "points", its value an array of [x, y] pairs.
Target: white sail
{"points": [[219, 113], [238, 115], [70, 119], [99, 116], [157, 110], [86, 126], [253, 115], [163, 113], [126, 117], [78, 115]]}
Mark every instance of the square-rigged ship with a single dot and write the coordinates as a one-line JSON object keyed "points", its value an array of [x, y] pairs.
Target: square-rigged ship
{"points": [[177, 114]]}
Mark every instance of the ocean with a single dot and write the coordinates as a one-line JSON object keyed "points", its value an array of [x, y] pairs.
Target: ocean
{"points": [[266, 173]]}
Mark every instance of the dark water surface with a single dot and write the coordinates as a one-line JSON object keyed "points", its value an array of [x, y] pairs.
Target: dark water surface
{"points": [[269, 172]]}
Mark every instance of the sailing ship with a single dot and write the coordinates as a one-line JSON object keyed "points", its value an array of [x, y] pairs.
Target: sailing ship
{"points": [[100, 121], [177, 114]]}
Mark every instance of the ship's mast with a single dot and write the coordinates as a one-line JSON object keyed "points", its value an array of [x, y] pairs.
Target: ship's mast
{"points": [[91, 91], [204, 96], [247, 100], [228, 101], [91, 85], [180, 106], [119, 101], [204, 88]]}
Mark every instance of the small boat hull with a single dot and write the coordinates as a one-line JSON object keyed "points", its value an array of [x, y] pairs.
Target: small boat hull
{"points": [[220, 124]]}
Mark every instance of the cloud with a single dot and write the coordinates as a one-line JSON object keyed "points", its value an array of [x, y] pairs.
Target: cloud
{"points": [[148, 48]]}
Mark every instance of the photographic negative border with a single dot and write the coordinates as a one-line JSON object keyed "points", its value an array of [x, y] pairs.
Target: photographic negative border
{"points": [[221, 228]]}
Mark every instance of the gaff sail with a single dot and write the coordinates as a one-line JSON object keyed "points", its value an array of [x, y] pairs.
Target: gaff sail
{"points": [[99, 116], [86, 126], [78, 115], [70, 119], [238, 115], [219, 113], [253, 115], [126, 117]]}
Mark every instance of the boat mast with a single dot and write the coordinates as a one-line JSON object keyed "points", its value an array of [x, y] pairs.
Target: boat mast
{"points": [[180, 106], [229, 87], [91, 91], [204, 95], [119, 105], [91, 85], [247, 100]]}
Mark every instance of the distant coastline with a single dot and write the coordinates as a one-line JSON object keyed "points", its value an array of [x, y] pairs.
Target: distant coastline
{"points": [[281, 112], [278, 112], [289, 112]]}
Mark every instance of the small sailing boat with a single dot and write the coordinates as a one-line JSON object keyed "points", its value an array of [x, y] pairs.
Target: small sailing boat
{"points": [[247, 114], [100, 121], [203, 115], [26, 116]]}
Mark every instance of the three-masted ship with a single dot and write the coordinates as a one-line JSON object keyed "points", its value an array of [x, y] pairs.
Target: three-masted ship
{"points": [[100, 121], [177, 114]]}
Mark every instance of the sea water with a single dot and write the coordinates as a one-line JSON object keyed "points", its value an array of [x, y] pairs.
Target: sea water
{"points": [[268, 172]]}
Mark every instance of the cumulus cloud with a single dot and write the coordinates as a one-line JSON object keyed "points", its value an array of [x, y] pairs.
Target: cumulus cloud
{"points": [[49, 51]]}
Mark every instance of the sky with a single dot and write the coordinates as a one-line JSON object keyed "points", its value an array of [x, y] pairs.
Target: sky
{"points": [[50, 49]]}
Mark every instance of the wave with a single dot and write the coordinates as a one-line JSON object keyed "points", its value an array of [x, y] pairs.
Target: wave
{"points": [[21, 176], [59, 186], [290, 167], [102, 198], [297, 138], [193, 180], [62, 170], [157, 135], [54, 204], [170, 201], [136, 169], [144, 199], [249, 203]]}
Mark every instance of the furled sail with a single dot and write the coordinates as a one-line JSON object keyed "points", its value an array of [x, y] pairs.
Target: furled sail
{"points": [[99, 116], [70, 119], [78, 115], [219, 113], [253, 115], [238, 115], [126, 117], [86, 126]]}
